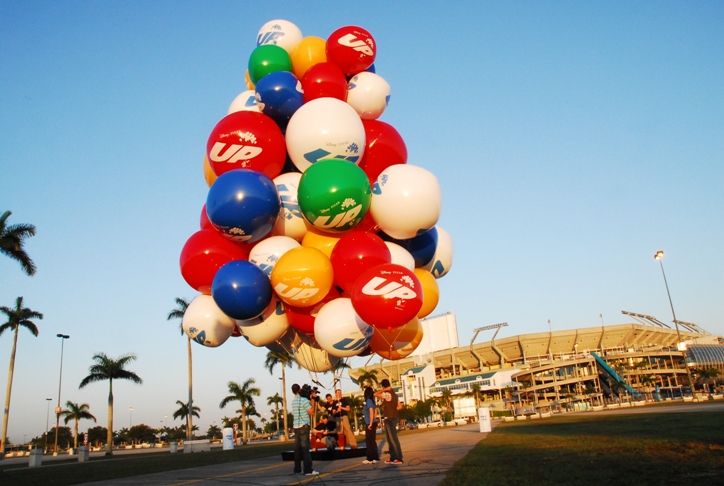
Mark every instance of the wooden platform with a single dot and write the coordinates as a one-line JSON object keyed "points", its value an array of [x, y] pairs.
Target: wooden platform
{"points": [[325, 455]]}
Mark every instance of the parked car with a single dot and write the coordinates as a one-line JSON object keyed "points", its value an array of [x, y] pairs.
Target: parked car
{"points": [[460, 421], [437, 423]]}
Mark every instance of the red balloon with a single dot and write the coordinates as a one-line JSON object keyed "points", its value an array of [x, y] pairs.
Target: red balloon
{"points": [[246, 140], [204, 222], [367, 224], [351, 48], [353, 254], [324, 80], [387, 296], [384, 147], [302, 318], [203, 254]]}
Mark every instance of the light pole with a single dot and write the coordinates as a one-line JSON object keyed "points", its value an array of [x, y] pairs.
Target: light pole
{"points": [[659, 256], [62, 337], [47, 424], [130, 420]]}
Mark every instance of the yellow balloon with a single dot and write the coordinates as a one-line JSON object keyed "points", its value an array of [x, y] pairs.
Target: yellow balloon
{"points": [[208, 173], [430, 292], [302, 276], [247, 80], [323, 242], [310, 51], [399, 342]]}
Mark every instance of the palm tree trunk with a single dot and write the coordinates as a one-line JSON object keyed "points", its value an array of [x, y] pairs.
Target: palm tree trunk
{"points": [[284, 405], [109, 437], [75, 437], [189, 417], [243, 424], [6, 413]]}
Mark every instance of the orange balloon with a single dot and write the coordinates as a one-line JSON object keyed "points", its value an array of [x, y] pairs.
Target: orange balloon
{"points": [[397, 343], [247, 80], [310, 51], [302, 276], [323, 242], [208, 172], [430, 292]]}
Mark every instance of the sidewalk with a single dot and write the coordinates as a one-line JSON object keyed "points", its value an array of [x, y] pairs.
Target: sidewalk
{"points": [[428, 455]]}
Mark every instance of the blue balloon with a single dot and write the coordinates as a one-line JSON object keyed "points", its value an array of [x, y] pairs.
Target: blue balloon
{"points": [[279, 95], [421, 247], [243, 205], [241, 290]]}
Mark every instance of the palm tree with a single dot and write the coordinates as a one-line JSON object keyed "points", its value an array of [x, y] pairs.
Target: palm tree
{"points": [[356, 403], [11, 242], [183, 413], [284, 359], [214, 432], [337, 370], [178, 313], [707, 377], [245, 394], [76, 412], [475, 390], [647, 381], [367, 378], [109, 369], [446, 400], [18, 317], [275, 400]]}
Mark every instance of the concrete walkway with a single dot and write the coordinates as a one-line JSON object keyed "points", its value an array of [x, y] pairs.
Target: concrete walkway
{"points": [[428, 456]]}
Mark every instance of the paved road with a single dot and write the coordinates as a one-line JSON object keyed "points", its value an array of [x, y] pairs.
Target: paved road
{"points": [[428, 456]]}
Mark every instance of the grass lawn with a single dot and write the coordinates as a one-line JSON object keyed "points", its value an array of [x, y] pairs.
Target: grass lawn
{"points": [[642, 449], [71, 472]]}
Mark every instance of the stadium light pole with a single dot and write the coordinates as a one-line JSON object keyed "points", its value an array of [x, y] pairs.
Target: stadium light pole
{"points": [[62, 337], [659, 256]]}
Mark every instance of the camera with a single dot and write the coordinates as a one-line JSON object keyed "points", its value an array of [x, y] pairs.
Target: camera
{"points": [[308, 392]]}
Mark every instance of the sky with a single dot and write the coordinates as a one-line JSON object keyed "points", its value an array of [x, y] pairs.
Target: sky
{"points": [[571, 141]]}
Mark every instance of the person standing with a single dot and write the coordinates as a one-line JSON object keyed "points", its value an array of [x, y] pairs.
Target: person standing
{"points": [[302, 410], [390, 406], [370, 413], [329, 407], [343, 426]]}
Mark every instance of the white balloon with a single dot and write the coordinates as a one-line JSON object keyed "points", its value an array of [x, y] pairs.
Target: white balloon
{"points": [[271, 325], [314, 359], [246, 101], [205, 323], [442, 260], [340, 331], [325, 128], [281, 33], [267, 252], [401, 256], [368, 93], [290, 221], [406, 201]]}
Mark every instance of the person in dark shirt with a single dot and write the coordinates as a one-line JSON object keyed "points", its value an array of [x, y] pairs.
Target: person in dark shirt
{"points": [[328, 429]]}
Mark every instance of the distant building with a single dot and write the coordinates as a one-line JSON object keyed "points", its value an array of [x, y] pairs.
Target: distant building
{"points": [[576, 368]]}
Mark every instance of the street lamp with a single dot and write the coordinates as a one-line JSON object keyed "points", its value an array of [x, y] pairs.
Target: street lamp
{"points": [[658, 256], [47, 424], [130, 421], [62, 337]]}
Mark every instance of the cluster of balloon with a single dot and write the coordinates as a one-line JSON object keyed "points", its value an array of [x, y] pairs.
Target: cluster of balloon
{"points": [[317, 237]]}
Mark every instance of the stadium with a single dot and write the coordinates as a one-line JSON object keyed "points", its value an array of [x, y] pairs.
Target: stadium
{"points": [[578, 369]]}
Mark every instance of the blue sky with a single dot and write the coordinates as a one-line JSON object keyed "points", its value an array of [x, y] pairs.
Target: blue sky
{"points": [[571, 140]]}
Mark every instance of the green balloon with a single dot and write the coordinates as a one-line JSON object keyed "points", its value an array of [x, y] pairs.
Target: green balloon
{"points": [[334, 195], [268, 59]]}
